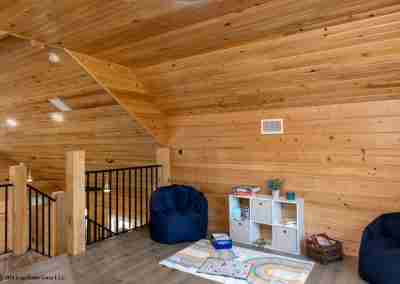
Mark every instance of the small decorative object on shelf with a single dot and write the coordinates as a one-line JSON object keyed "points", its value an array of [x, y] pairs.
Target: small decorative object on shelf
{"points": [[275, 185], [291, 196], [261, 243], [245, 213], [245, 190], [324, 249]]}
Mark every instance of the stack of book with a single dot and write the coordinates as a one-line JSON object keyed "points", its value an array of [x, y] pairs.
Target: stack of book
{"points": [[245, 190]]}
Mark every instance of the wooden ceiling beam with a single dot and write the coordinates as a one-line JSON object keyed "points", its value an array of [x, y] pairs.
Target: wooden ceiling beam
{"points": [[123, 85]]}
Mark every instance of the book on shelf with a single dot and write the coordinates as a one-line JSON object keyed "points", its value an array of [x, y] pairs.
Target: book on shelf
{"points": [[245, 190]]}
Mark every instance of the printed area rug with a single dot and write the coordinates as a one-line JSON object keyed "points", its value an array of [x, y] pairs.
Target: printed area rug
{"points": [[266, 268]]}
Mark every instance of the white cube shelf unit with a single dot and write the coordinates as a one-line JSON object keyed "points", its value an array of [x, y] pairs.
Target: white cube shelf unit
{"points": [[278, 222]]}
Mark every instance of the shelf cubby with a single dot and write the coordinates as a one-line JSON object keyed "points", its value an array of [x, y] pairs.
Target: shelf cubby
{"points": [[279, 222]]}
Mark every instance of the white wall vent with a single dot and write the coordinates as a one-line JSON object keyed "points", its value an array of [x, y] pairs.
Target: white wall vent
{"points": [[272, 126]]}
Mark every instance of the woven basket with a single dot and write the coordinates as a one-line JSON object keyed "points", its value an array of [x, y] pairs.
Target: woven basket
{"points": [[324, 254]]}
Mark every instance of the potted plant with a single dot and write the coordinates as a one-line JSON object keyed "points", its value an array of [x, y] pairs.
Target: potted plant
{"points": [[275, 186]]}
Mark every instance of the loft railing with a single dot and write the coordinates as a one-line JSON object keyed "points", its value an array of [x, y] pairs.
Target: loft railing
{"points": [[40, 217], [5, 196], [99, 230], [117, 200]]}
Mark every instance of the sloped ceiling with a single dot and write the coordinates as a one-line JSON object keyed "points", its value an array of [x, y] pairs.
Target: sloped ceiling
{"points": [[28, 80], [228, 55], [139, 33], [96, 123]]}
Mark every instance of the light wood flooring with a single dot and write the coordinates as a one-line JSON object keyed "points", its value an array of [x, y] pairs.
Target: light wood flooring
{"points": [[133, 258]]}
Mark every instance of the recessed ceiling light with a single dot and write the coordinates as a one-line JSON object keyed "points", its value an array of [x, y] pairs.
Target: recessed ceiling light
{"points": [[57, 116], [11, 122], [54, 58], [29, 178], [60, 104]]}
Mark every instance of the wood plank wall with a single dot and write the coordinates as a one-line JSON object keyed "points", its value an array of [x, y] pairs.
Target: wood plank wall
{"points": [[5, 165], [96, 123], [106, 133], [343, 159]]}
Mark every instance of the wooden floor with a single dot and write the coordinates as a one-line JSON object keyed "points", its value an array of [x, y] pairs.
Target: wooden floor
{"points": [[133, 258], [10, 262]]}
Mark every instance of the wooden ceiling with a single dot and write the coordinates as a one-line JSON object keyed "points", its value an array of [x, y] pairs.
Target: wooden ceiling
{"points": [[96, 123], [350, 62], [147, 32], [201, 56], [28, 80], [228, 55]]}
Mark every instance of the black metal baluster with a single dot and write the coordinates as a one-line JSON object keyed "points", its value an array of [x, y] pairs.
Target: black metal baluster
{"points": [[147, 196], [95, 207], [130, 198], [117, 197], [87, 208], [103, 206], [6, 220], [135, 198], [49, 227], [157, 177], [110, 200], [37, 221], [43, 225], [30, 218], [123, 201], [141, 197], [152, 185]]}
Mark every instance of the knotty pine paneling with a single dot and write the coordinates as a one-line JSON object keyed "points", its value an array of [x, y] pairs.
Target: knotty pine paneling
{"points": [[76, 23], [28, 80], [143, 33], [105, 133], [96, 123], [343, 63], [5, 164], [271, 20], [122, 84], [342, 159]]}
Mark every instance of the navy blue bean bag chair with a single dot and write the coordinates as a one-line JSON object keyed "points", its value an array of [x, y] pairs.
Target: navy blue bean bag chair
{"points": [[178, 214], [379, 260]]}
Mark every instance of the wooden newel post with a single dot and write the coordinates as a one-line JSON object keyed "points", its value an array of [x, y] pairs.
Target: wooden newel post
{"points": [[75, 203], [20, 209], [163, 158]]}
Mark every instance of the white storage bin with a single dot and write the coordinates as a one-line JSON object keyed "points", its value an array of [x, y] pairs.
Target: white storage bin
{"points": [[240, 231], [262, 211], [284, 239]]}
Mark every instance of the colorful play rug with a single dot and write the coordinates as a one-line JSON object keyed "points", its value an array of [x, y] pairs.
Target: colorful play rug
{"points": [[265, 268]]}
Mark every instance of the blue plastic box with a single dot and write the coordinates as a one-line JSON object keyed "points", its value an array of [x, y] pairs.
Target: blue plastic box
{"points": [[222, 244]]}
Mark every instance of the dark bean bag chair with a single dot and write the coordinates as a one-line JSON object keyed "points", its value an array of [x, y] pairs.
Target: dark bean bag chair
{"points": [[178, 214], [379, 260]]}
